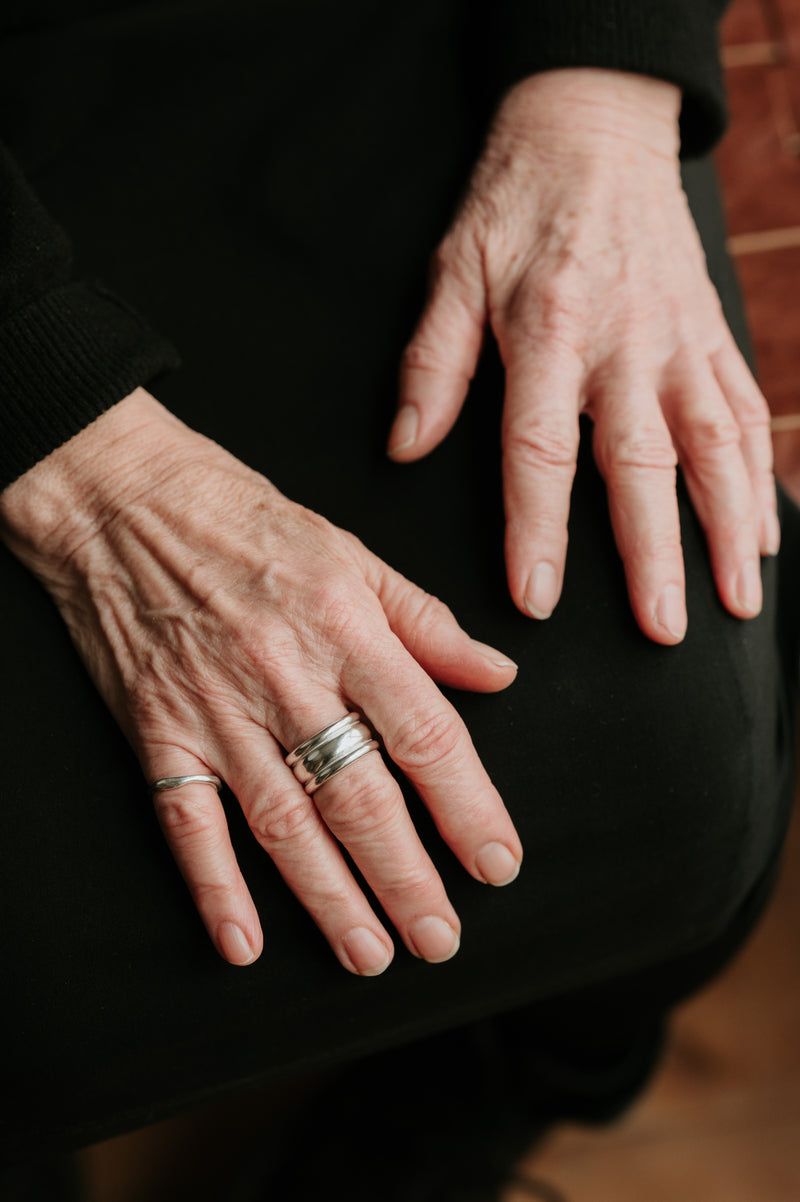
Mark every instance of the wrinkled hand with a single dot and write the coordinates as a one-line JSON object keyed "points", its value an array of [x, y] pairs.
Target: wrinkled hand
{"points": [[576, 242], [224, 625]]}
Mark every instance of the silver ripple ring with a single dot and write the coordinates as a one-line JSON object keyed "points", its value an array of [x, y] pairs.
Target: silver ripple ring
{"points": [[326, 753]]}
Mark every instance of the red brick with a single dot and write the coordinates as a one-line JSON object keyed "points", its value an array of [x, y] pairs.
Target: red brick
{"points": [[769, 280], [744, 23], [759, 173]]}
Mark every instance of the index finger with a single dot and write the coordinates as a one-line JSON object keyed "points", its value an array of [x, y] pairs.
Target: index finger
{"points": [[426, 738], [540, 452]]}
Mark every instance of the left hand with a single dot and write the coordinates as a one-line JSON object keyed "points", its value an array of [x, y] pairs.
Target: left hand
{"points": [[576, 242]]}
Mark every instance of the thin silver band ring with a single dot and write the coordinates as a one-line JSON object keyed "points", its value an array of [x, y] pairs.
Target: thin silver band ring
{"points": [[174, 782]]}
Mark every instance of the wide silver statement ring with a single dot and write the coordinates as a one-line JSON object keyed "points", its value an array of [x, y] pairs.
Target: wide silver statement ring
{"points": [[326, 753]]}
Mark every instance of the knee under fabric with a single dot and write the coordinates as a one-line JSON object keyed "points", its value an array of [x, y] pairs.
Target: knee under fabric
{"points": [[648, 783]]}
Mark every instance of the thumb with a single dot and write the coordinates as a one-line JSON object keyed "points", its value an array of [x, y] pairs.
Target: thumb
{"points": [[441, 358]]}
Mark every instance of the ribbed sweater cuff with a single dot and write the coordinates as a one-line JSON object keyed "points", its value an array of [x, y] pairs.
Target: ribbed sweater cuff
{"points": [[64, 359], [674, 40]]}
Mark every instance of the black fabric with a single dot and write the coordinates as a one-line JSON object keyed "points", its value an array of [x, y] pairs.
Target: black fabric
{"points": [[278, 224], [143, 84], [68, 349], [673, 40]]}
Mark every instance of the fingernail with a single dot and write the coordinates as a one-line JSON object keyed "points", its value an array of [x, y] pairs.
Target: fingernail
{"points": [[404, 430], [433, 939], [233, 942], [495, 657], [671, 611], [772, 531], [367, 953], [748, 587], [540, 594], [497, 865]]}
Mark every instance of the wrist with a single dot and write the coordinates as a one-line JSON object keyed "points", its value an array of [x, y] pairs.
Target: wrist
{"points": [[66, 499], [592, 107]]}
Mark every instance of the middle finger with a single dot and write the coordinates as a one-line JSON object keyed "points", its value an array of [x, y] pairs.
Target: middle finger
{"points": [[364, 809]]}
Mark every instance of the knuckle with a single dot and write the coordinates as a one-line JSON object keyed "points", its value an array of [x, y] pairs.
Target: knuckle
{"points": [[205, 892], [554, 331], [548, 527], [558, 300], [426, 612], [654, 551], [562, 301], [714, 434], [183, 819], [329, 591], [753, 413], [455, 255], [406, 880], [426, 742], [358, 807], [282, 819], [542, 445], [334, 606], [419, 355], [642, 447]]}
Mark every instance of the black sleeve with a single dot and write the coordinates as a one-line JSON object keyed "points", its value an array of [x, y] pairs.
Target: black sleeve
{"points": [[674, 40], [69, 349]]}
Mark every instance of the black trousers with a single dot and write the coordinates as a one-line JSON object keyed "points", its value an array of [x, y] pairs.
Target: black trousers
{"points": [[277, 227]]}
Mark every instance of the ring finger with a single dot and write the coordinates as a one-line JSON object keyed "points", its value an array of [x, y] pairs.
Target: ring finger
{"points": [[363, 808]]}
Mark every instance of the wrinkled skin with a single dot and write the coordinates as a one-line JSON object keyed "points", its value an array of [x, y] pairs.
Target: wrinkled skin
{"points": [[224, 624], [576, 245]]}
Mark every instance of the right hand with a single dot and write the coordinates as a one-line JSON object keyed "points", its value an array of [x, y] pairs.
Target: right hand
{"points": [[224, 625]]}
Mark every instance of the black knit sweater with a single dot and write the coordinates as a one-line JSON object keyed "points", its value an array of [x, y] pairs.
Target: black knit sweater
{"points": [[70, 348]]}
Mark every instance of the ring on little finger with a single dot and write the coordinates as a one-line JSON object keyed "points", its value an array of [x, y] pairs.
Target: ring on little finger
{"points": [[175, 782], [327, 752]]}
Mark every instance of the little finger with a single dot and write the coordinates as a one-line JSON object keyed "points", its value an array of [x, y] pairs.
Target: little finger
{"points": [[194, 825], [708, 437], [752, 413]]}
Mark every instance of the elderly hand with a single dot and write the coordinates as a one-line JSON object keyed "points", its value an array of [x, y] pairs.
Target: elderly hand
{"points": [[224, 625], [576, 242]]}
